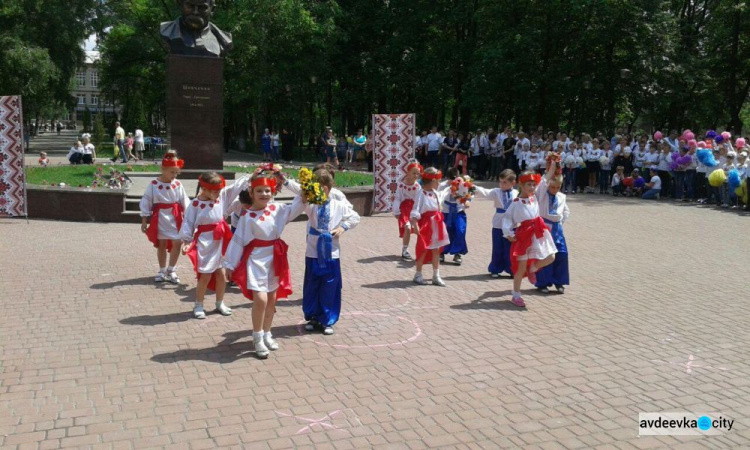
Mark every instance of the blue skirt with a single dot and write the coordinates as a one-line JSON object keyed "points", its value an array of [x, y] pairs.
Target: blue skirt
{"points": [[456, 234], [500, 253], [321, 294], [557, 273]]}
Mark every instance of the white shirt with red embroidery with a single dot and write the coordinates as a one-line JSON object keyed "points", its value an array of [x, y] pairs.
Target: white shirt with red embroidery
{"points": [[265, 225], [431, 201], [161, 192], [405, 192], [207, 212], [521, 210]]}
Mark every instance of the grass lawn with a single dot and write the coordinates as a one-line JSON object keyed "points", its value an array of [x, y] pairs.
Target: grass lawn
{"points": [[83, 175]]}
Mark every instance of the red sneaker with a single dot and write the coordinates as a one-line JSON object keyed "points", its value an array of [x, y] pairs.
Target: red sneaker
{"points": [[518, 301]]}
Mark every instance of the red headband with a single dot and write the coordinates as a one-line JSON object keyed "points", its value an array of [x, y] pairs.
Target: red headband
{"points": [[212, 187], [413, 165], [432, 176], [171, 161], [535, 177], [264, 181]]}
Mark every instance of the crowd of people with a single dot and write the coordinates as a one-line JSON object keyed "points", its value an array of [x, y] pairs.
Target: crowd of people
{"points": [[656, 166]]}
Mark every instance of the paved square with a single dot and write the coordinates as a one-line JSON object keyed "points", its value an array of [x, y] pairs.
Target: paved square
{"points": [[657, 319]]}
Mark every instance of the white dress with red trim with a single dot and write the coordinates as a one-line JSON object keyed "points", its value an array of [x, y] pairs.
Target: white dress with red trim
{"points": [[162, 193], [430, 204], [261, 225], [210, 245], [534, 241], [403, 203]]}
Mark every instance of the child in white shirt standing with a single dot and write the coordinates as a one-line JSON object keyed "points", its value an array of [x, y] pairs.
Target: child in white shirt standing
{"points": [[427, 216], [503, 196], [553, 208]]}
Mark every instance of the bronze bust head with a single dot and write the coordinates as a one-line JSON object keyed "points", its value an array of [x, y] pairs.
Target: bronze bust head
{"points": [[193, 34]]}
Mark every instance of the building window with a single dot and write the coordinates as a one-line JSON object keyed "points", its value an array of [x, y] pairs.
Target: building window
{"points": [[81, 78], [94, 100], [94, 78], [82, 99]]}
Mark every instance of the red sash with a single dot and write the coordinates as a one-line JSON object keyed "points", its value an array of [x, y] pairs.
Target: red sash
{"points": [[152, 232], [403, 218], [429, 220], [529, 228], [280, 267], [221, 232]]}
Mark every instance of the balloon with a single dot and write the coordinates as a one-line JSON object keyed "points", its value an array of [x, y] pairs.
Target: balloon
{"points": [[658, 136], [692, 143], [688, 135], [726, 135], [740, 143]]}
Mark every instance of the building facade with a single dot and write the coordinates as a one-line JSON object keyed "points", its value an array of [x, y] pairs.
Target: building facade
{"points": [[88, 94]]}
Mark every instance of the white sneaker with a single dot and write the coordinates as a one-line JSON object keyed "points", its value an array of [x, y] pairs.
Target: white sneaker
{"points": [[223, 309], [261, 351], [328, 331], [270, 341], [406, 256], [172, 277], [160, 277], [198, 312], [458, 260], [419, 279], [437, 281]]}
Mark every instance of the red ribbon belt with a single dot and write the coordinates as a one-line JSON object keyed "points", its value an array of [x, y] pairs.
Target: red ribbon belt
{"points": [[280, 267], [427, 223], [524, 233], [403, 218], [152, 232], [221, 232]]}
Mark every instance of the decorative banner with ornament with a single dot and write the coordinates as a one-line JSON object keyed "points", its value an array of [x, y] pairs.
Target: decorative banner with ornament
{"points": [[12, 177], [393, 147]]}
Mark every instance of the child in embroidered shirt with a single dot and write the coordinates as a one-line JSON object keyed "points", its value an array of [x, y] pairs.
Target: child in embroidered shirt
{"points": [[244, 201], [553, 208], [256, 257], [206, 235], [455, 221], [43, 160], [532, 245], [617, 182], [321, 293], [403, 202], [428, 218], [503, 196], [162, 207]]}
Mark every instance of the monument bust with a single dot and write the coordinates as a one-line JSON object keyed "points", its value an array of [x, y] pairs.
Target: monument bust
{"points": [[193, 34]]}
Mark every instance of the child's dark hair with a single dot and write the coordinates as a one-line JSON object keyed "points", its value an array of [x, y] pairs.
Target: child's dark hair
{"points": [[451, 173], [211, 177], [245, 198], [327, 167], [324, 177], [508, 174]]}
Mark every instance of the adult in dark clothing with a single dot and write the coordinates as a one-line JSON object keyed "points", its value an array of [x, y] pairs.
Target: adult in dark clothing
{"points": [[287, 145]]}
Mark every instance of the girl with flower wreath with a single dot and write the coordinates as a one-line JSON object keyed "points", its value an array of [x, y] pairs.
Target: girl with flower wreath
{"points": [[532, 246], [205, 235], [427, 216], [461, 191], [256, 257], [403, 202], [162, 208]]}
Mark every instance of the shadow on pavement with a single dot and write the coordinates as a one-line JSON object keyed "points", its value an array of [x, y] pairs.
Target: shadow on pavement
{"points": [[144, 281], [163, 319], [500, 305], [393, 284]]}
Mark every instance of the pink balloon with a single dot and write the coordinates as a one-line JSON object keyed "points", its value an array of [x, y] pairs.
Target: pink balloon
{"points": [[692, 143], [688, 135], [726, 135], [740, 143], [658, 136], [702, 144]]}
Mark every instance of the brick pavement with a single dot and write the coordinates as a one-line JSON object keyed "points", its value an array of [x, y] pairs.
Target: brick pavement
{"points": [[94, 355]]}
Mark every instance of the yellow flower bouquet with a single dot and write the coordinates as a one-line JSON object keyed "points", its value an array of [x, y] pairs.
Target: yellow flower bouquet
{"points": [[311, 188]]}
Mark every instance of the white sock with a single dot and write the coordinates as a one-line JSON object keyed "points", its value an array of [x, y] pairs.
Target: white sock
{"points": [[437, 273], [163, 270], [404, 248], [419, 273], [258, 335], [198, 304], [170, 269], [268, 334], [515, 294]]}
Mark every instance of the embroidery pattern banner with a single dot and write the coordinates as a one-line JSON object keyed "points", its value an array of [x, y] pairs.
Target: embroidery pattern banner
{"points": [[12, 186], [393, 147]]}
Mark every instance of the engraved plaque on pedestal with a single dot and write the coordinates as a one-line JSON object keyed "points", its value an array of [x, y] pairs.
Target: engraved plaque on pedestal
{"points": [[195, 114]]}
